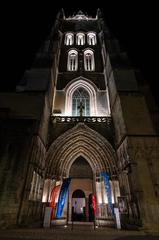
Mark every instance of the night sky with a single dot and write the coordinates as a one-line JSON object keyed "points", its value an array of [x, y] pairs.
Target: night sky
{"points": [[25, 27]]}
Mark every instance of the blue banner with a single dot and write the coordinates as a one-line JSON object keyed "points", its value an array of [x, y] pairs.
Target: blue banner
{"points": [[62, 197], [105, 177]]}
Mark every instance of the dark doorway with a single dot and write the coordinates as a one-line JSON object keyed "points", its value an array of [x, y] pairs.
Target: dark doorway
{"points": [[78, 206]]}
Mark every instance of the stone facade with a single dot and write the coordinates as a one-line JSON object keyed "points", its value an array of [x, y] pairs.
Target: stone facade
{"points": [[40, 142]]}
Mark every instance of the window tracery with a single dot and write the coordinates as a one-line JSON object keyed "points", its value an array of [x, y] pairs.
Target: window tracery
{"points": [[72, 63], [91, 38], [80, 39], [89, 64], [69, 39]]}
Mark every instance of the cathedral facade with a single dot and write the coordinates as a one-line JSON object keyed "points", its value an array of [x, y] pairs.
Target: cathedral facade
{"points": [[79, 114]]}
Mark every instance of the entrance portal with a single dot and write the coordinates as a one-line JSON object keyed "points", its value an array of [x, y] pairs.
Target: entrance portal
{"points": [[82, 154], [78, 206], [81, 186]]}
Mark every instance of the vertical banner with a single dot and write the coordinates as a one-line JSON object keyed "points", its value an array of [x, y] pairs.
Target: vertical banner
{"points": [[62, 197], [53, 200], [94, 205], [105, 177]]}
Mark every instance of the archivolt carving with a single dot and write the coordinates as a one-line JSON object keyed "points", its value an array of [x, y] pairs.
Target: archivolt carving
{"points": [[80, 141]]}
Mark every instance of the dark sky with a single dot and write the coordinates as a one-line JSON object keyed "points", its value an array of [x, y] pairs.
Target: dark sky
{"points": [[26, 26]]}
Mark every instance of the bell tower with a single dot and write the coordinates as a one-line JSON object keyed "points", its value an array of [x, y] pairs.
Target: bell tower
{"points": [[81, 106], [80, 80], [84, 144]]}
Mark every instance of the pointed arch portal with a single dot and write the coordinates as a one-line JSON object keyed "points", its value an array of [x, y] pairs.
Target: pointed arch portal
{"points": [[80, 141], [82, 145]]}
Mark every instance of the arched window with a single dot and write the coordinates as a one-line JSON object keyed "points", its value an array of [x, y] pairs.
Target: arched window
{"points": [[80, 103], [89, 64], [72, 63], [89, 87], [69, 39], [91, 38], [80, 39]]}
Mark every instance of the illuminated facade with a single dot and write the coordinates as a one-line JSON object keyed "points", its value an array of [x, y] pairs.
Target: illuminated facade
{"points": [[83, 116]]}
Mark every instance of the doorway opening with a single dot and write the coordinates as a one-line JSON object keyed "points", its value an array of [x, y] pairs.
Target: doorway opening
{"points": [[81, 186], [78, 206]]}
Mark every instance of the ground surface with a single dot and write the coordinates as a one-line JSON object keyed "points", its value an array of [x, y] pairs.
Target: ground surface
{"points": [[77, 233]]}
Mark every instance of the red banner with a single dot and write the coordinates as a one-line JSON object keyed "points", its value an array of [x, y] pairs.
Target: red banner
{"points": [[94, 205], [54, 195]]}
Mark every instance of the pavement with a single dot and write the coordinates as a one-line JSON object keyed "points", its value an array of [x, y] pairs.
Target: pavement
{"points": [[77, 233]]}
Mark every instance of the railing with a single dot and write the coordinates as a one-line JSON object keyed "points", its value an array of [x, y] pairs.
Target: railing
{"points": [[65, 119]]}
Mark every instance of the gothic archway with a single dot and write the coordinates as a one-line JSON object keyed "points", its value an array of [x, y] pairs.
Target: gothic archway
{"points": [[80, 141], [89, 87]]}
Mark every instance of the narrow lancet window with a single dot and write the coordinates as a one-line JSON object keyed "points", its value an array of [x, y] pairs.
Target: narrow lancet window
{"points": [[69, 39], [72, 63], [89, 64], [80, 39], [91, 38]]}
